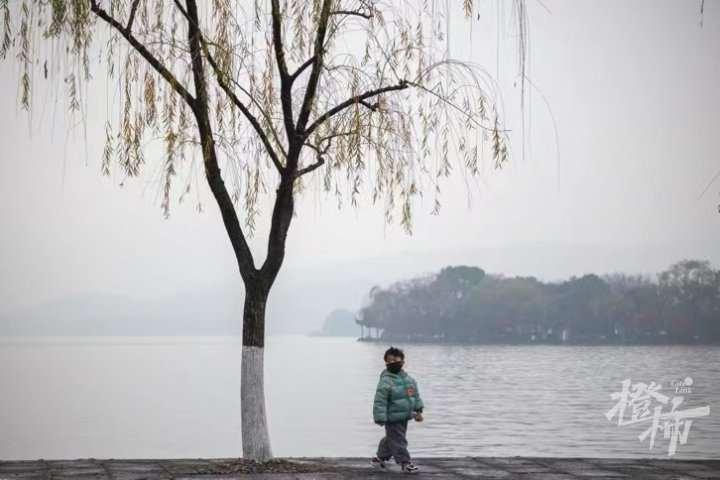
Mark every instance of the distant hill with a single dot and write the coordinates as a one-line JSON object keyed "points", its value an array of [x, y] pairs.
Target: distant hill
{"points": [[339, 323]]}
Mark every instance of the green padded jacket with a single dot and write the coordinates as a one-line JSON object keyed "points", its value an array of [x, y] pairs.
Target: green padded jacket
{"points": [[396, 397]]}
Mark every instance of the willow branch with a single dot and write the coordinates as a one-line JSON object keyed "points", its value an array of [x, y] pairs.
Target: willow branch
{"points": [[318, 54], [459, 109], [356, 13], [370, 106], [351, 101], [133, 11], [212, 169], [320, 162], [144, 52], [222, 81], [285, 80], [277, 38], [302, 68], [244, 109]]}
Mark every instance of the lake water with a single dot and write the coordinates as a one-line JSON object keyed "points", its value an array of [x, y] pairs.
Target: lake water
{"points": [[174, 397]]}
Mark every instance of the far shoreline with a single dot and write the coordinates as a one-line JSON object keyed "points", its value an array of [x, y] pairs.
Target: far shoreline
{"points": [[509, 343]]}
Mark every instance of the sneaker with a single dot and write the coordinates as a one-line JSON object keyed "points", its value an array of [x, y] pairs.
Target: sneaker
{"points": [[378, 463], [408, 467]]}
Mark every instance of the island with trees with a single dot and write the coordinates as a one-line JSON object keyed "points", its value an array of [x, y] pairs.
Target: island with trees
{"points": [[464, 304]]}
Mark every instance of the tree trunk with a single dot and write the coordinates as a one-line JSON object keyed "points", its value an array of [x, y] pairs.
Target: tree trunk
{"points": [[255, 437]]}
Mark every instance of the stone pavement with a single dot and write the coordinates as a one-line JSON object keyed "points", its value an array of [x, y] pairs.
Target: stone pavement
{"points": [[528, 468]]}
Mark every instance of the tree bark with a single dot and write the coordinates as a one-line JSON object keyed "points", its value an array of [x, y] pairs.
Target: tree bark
{"points": [[255, 436]]}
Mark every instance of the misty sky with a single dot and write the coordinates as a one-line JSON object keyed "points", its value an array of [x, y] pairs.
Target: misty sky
{"points": [[635, 93]]}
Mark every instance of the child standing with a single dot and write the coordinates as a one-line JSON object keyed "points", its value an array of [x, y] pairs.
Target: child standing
{"points": [[397, 400]]}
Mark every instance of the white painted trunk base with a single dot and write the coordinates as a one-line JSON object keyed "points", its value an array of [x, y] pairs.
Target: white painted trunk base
{"points": [[255, 437]]}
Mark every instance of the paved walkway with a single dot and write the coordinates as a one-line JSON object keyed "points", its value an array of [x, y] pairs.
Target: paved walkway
{"points": [[527, 468]]}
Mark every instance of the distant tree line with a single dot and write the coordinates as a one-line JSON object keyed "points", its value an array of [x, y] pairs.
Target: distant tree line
{"points": [[466, 304]]}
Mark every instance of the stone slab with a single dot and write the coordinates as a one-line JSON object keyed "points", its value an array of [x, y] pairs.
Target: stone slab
{"points": [[349, 468]]}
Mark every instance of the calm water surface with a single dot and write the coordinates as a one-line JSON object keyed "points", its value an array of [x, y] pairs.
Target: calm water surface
{"points": [[173, 397]]}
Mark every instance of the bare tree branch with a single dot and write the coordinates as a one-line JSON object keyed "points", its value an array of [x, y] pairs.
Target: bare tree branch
{"points": [[285, 80], [320, 162], [302, 68], [351, 101], [277, 38], [267, 117], [133, 11], [356, 13], [371, 106], [222, 81], [318, 54], [320, 156], [212, 170], [246, 112], [182, 10], [455, 107], [146, 54]]}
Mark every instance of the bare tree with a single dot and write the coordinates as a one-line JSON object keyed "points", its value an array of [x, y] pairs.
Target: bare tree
{"points": [[272, 92]]}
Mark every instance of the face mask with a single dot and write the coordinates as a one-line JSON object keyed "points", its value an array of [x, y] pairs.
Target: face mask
{"points": [[394, 367]]}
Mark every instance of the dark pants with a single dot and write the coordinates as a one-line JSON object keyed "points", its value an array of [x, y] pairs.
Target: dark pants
{"points": [[394, 443]]}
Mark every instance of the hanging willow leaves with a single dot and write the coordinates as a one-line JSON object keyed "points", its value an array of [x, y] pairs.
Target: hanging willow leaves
{"points": [[386, 112]]}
